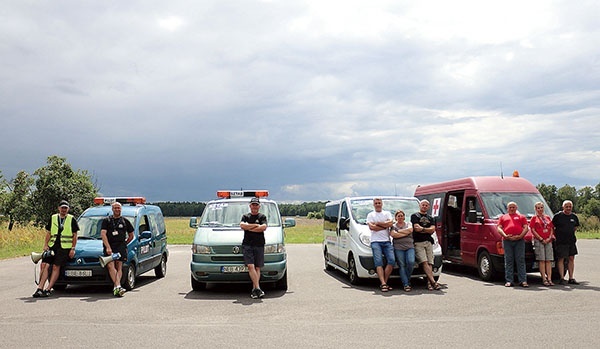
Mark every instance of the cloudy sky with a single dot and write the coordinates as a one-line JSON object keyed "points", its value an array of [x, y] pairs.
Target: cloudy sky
{"points": [[313, 100]]}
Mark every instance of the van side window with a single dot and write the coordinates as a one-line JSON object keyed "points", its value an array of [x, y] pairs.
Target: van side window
{"points": [[144, 225], [331, 217], [473, 210], [345, 212]]}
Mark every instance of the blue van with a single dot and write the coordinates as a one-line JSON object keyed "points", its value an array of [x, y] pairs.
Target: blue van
{"points": [[147, 251]]}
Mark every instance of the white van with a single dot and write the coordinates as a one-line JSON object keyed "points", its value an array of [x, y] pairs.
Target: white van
{"points": [[347, 238]]}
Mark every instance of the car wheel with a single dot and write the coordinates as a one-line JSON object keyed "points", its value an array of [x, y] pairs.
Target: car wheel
{"points": [[352, 273], [485, 267], [161, 269], [197, 285], [328, 267], [128, 280]]}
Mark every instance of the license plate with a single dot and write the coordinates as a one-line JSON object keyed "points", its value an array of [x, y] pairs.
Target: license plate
{"points": [[234, 269], [78, 273]]}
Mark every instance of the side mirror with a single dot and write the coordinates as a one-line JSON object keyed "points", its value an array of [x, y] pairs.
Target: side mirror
{"points": [[344, 223], [193, 222], [289, 222]]}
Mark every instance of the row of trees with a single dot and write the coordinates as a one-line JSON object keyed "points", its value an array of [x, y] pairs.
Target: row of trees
{"points": [[34, 198]]}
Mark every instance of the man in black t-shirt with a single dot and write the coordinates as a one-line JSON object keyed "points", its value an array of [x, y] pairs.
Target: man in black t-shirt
{"points": [[116, 232], [253, 245], [423, 229], [565, 225]]}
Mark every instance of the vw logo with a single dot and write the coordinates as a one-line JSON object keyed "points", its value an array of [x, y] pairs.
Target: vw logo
{"points": [[236, 249]]}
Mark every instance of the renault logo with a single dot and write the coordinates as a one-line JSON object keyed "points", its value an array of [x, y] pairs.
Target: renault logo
{"points": [[236, 249], [79, 261]]}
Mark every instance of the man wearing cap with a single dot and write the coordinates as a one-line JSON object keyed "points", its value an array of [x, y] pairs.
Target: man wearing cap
{"points": [[61, 237], [254, 225]]}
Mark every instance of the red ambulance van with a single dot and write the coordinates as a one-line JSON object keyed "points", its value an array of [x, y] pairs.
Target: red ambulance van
{"points": [[467, 211]]}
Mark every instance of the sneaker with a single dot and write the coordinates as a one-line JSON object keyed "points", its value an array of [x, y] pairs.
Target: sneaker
{"points": [[121, 291], [254, 293], [116, 292], [47, 293], [562, 282], [573, 282], [38, 294], [260, 293]]}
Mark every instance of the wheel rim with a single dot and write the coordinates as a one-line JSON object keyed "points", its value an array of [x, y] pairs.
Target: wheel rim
{"points": [[131, 276], [163, 266], [484, 266], [352, 270]]}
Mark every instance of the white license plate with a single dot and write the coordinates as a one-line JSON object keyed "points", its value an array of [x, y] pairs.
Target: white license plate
{"points": [[78, 273], [234, 269]]}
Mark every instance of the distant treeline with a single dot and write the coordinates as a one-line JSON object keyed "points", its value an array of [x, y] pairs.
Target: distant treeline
{"points": [[194, 209]]}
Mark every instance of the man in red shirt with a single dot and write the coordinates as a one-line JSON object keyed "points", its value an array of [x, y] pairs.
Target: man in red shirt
{"points": [[513, 227]]}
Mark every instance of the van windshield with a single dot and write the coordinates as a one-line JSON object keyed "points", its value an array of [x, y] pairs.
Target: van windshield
{"points": [[495, 203], [229, 214], [90, 226], [362, 207]]}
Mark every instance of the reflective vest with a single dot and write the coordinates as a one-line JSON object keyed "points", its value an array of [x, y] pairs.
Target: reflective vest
{"points": [[66, 236]]}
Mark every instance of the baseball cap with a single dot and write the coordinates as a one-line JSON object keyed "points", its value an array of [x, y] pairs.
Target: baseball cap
{"points": [[254, 201], [63, 203]]}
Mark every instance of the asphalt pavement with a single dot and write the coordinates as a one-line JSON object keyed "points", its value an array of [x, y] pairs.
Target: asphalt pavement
{"points": [[319, 310]]}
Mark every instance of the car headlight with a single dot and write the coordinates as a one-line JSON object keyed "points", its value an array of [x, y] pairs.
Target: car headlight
{"points": [[365, 239], [275, 248], [201, 249]]}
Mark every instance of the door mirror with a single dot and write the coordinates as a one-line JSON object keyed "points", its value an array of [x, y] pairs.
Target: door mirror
{"points": [[344, 223]]}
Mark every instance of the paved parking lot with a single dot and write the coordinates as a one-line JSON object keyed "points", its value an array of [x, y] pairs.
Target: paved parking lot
{"points": [[320, 309]]}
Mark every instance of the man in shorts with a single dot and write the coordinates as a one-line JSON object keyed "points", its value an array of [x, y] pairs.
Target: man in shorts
{"points": [[254, 225], [116, 232], [380, 221], [423, 228], [565, 226], [61, 238]]}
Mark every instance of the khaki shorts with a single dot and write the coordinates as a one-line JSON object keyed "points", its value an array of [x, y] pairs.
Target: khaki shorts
{"points": [[543, 252], [424, 252]]}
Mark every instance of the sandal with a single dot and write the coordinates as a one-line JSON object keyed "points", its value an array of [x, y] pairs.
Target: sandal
{"points": [[437, 286], [407, 288], [546, 283], [550, 283], [429, 286], [524, 284], [508, 284], [384, 288]]}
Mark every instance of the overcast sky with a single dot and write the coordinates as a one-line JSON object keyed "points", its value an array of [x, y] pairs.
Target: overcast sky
{"points": [[312, 100]]}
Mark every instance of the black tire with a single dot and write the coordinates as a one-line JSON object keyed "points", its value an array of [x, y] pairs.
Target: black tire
{"points": [[282, 284], [128, 279], [352, 273], [485, 267], [197, 285], [161, 269], [326, 256]]}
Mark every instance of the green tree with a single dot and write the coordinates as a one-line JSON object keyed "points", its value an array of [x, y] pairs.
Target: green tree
{"points": [[17, 203], [568, 192], [549, 192], [58, 181], [592, 207]]}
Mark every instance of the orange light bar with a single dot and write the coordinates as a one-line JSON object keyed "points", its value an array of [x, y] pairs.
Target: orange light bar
{"points": [[136, 200], [227, 194]]}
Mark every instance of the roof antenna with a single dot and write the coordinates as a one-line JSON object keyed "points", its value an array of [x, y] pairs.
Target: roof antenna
{"points": [[501, 172]]}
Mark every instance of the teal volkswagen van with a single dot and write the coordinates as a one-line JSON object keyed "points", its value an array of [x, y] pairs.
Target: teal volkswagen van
{"points": [[217, 247]]}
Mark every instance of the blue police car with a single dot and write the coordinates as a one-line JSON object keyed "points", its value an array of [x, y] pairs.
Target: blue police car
{"points": [[147, 251]]}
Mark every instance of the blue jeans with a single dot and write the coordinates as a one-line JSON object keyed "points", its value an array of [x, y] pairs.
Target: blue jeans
{"points": [[406, 262], [381, 248], [514, 251]]}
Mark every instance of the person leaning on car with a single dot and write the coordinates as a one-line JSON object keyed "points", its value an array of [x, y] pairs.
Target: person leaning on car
{"points": [[61, 238], [116, 232]]}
